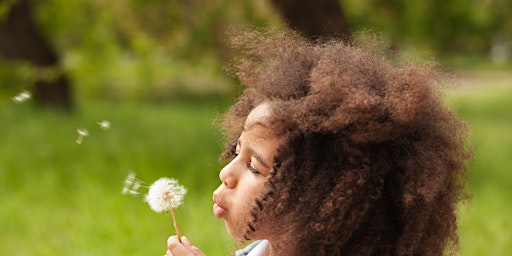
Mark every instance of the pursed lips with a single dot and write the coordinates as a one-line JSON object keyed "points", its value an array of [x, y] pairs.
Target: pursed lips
{"points": [[218, 208]]}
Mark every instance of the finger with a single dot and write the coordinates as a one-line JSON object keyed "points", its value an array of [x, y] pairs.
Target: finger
{"points": [[177, 248], [191, 247]]}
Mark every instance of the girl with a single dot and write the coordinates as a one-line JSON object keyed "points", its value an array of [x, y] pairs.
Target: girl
{"points": [[334, 150]]}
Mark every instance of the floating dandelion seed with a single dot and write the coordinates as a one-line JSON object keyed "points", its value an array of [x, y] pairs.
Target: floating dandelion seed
{"points": [[131, 185], [81, 134], [166, 195], [21, 97], [135, 187], [105, 125]]}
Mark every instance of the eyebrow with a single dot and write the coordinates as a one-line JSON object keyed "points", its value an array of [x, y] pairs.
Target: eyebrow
{"points": [[255, 155], [245, 128]]}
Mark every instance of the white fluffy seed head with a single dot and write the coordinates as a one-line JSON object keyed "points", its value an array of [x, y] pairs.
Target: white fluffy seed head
{"points": [[165, 194]]}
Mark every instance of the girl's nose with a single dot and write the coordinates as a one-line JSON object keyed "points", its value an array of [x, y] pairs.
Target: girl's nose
{"points": [[228, 175]]}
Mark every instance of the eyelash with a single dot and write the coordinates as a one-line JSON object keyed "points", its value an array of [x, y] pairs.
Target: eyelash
{"points": [[249, 165], [252, 169]]}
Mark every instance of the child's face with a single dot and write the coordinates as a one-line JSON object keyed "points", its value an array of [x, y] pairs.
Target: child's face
{"points": [[243, 178]]}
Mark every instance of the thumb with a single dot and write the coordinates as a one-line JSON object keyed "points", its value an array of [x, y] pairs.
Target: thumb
{"points": [[191, 247]]}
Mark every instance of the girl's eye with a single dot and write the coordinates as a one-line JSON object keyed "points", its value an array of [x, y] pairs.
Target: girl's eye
{"points": [[253, 169]]}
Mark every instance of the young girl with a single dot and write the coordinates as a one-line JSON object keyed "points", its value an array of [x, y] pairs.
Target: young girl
{"points": [[334, 150]]}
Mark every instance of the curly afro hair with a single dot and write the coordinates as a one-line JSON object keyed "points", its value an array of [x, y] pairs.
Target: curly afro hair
{"points": [[372, 162]]}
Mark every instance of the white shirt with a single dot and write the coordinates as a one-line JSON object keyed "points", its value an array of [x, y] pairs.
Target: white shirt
{"points": [[257, 248]]}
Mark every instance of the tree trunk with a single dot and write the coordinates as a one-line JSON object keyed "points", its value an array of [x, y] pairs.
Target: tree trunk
{"points": [[20, 40], [315, 18]]}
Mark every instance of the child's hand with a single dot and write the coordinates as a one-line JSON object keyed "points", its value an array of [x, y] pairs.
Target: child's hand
{"points": [[185, 248]]}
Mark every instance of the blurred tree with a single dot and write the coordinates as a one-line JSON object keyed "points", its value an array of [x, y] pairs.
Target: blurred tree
{"points": [[156, 49], [445, 28], [20, 40], [315, 18]]}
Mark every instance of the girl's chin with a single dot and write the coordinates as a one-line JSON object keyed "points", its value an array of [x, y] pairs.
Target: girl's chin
{"points": [[235, 232], [238, 233]]}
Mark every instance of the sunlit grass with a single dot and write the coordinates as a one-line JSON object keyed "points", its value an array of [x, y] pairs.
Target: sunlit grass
{"points": [[62, 198], [486, 103]]}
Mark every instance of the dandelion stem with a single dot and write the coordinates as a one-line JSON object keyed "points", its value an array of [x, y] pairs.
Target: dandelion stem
{"points": [[175, 224]]}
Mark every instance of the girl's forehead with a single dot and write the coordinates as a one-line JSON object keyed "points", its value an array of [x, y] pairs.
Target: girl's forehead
{"points": [[258, 125], [258, 116]]}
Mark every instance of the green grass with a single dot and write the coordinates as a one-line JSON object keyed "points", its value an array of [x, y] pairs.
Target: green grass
{"points": [[61, 198], [486, 223]]}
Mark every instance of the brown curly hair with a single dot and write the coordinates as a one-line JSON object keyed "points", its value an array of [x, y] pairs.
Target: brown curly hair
{"points": [[373, 162]]}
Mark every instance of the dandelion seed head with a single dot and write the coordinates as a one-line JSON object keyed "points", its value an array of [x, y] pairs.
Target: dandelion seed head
{"points": [[165, 194], [105, 125]]}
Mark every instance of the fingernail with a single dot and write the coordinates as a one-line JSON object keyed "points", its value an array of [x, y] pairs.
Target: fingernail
{"points": [[171, 239]]}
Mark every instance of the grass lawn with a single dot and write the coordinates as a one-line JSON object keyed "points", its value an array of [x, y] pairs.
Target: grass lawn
{"points": [[485, 100], [61, 198]]}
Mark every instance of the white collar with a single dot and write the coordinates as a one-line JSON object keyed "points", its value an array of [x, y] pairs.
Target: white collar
{"points": [[257, 248]]}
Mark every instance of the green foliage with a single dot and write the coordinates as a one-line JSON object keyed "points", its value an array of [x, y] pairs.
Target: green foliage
{"points": [[160, 50], [144, 50], [5, 7], [453, 27], [17, 76]]}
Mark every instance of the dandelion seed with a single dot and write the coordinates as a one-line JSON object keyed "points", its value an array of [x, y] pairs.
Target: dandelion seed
{"points": [[136, 185], [131, 185], [105, 125], [129, 179], [166, 195], [81, 134], [21, 97], [133, 190]]}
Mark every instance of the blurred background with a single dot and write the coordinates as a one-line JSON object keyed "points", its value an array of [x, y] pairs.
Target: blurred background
{"points": [[91, 90]]}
